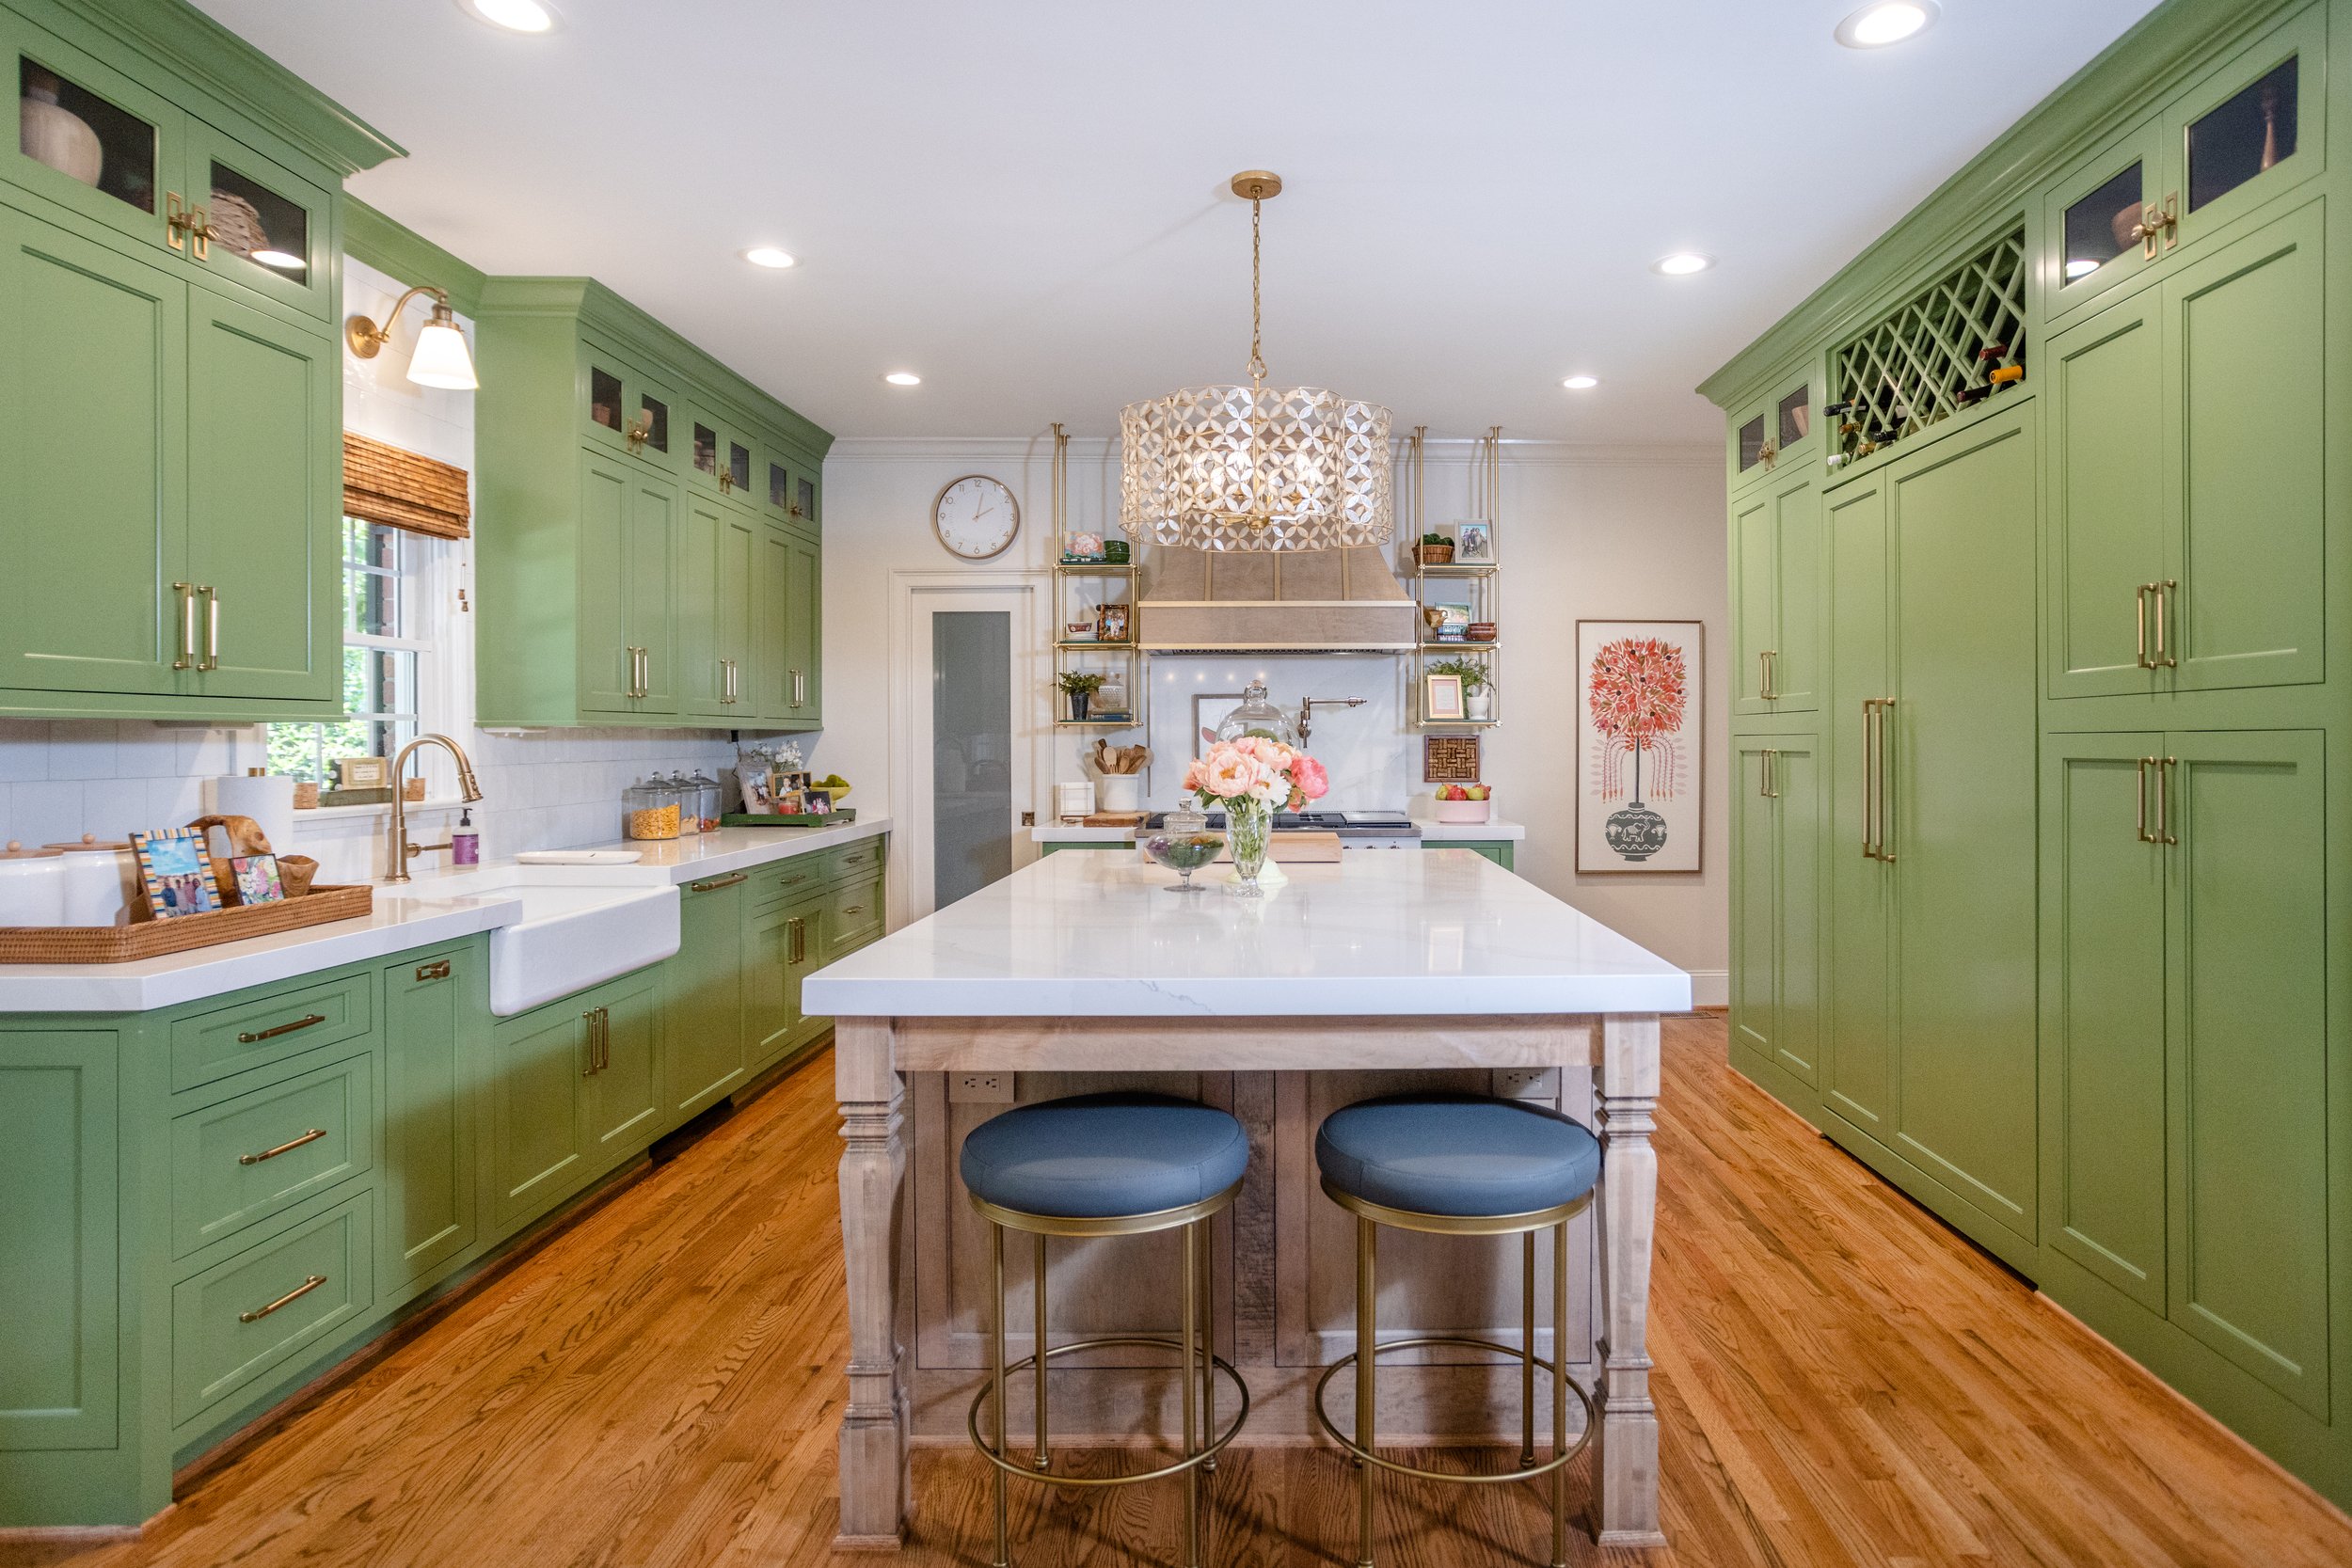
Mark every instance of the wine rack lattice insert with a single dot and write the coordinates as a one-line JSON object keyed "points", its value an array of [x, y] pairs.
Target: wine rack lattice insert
{"points": [[1929, 359]]}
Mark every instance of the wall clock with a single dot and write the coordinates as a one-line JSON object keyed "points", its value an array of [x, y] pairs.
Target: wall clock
{"points": [[976, 518]]}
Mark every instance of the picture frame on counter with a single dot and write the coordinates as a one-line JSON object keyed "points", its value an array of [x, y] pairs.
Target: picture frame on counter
{"points": [[1441, 698], [363, 773], [175, 872], [257, 880], [1640, 757]]}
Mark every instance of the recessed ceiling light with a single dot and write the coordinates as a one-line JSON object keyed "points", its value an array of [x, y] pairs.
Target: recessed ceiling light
{"points": [[283, 261], [1578, 382], [2081, 266], [1682, 263], [768, 256], [515, 16], [1875, 27], [903, 378]]}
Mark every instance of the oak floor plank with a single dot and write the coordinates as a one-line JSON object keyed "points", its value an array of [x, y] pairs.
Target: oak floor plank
{"points": [[1842, 1382]]}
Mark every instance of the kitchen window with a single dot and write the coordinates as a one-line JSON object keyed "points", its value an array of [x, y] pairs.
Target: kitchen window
{"points": [[392, 624]]}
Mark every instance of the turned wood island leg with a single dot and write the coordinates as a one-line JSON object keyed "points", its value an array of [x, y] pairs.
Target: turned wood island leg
{"points": [[1625, 1462], [873, 1170]]}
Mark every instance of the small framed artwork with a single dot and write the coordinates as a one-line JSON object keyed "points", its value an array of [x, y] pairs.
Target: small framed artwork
{"points": [[1081, 548], [1110, 624], [1441, 698], [1080, 631], [257, 880], [363, 773], [817, 803], [1638, 755], [175, 872], [1209, 709], [1475, 544]]}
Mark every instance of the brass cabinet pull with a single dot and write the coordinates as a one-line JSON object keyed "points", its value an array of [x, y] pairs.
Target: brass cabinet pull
{"points": [[438, 971], [597, 1055], [314, 1136], [1766, 669], [2162, 658], [2140, 803], [717, 883], [1886, 775], [2163, 800], [187, 625], [2150, 223], [1876, 765], [799, 947], [312, 1283], [2171, 218], [212, 626], [175, 221], [1763, 782], [2139, 611], [281, 1029]]}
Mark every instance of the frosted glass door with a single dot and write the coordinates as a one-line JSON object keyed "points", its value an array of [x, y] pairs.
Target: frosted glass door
{"points": [[972, 812]]}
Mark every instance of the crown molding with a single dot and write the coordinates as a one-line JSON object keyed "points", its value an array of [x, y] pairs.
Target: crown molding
{"points": [[1437, 452]]}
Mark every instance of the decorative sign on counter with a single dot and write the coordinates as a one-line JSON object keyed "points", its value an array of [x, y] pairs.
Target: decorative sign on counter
{"points": [[1637, 745]]}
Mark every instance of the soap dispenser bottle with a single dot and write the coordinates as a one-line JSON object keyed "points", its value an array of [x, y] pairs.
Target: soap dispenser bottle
{"points": [[465, 844]]}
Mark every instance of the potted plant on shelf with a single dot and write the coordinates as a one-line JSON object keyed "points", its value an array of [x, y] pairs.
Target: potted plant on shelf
{"points": [[1435, 550], [1081, 686], [1478, 696]]}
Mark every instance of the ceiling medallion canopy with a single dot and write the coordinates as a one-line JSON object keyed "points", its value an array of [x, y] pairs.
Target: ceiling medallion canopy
{"points": [[1255, 468]]}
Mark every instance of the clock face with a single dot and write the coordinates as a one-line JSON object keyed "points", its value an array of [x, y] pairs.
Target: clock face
{"points": [[976, 518]]}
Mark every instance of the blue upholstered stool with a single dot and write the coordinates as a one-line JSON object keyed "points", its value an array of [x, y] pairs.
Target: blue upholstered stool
{"points": [[1460, 1166], [1109, 1165]]}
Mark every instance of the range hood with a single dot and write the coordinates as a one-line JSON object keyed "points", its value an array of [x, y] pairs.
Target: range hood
{"points": [[1275, 602]]}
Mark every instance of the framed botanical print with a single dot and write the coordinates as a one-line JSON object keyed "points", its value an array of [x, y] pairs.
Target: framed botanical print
{"points": [[1638, 737]]}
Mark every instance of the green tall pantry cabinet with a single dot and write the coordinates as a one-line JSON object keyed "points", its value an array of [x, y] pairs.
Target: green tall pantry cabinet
{"points": [[2082, 940], [632, 567], [170, 405]]}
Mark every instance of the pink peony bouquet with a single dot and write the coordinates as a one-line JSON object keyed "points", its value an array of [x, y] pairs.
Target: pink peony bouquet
{"points": [[1255, 771]]}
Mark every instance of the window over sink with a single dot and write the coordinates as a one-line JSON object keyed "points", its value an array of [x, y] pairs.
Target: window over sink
{"points": [[395, 624]]}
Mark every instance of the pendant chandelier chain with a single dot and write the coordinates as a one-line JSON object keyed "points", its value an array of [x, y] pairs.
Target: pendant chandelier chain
{"points": [[1257, 310]]}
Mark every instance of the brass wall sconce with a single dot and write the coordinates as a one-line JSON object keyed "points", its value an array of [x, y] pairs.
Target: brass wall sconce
{"points": [[441, 358]]}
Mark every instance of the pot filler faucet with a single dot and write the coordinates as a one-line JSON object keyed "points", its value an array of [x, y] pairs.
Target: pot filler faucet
{"points": [[398, 851], [1307, 712]]}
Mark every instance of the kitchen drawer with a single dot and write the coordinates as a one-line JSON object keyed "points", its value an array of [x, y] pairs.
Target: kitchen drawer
{"points": [[265, 1150], [862, 859], [239, 1318], [264, 1029], [854, 917], [785, 881]]}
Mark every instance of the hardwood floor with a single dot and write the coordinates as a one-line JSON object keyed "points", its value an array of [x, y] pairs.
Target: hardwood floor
{"points": [[1841, 1381]]}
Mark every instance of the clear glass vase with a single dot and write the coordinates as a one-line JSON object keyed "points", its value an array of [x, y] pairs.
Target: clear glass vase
{"points": [[1247, 823]]}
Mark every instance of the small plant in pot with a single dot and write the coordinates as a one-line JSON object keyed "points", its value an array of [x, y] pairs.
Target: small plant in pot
{"points": [[1478, 686], [1081, 686], [1435, 550]]}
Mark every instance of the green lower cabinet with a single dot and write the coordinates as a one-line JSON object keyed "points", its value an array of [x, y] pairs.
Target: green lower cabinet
{"points": [[243, 1316], [1500, 850], [854, 918], [1055, 846], [780, 950], [575, 1087], [1776, 901], [260, 1144], [621, 1093], [434, 1008], [1857, 1086], [707, 1056], [59, 1363]]}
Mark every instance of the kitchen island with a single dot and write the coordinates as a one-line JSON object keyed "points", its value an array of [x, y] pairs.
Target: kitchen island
{"points": [[1376, 975]]}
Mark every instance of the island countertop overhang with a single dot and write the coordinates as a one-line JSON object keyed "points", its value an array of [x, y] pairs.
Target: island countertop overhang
{"points": [[1439, 933]]}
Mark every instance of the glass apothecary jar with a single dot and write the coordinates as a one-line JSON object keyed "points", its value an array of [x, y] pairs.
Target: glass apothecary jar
{"points": [[649, 810], [709, 799], [682, 790]]}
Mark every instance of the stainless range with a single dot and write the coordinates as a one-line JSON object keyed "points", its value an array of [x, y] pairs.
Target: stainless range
{"points": [[1357, 830]]}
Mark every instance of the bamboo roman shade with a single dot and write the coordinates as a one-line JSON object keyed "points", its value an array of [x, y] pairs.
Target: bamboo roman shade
{"points": [[384, 484]]}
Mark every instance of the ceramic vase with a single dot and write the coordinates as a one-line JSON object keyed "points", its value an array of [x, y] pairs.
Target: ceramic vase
{"points": [[53, 135]]}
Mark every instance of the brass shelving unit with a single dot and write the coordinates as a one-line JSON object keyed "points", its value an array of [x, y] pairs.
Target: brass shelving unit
{"points": [[1479, 583], [1123, 583]]}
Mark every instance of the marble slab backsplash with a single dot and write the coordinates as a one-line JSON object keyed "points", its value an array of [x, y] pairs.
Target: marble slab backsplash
{"points": [[550, 789]]}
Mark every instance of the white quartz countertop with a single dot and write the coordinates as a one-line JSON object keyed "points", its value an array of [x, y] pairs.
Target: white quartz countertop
{"points": [[437, 906], [1436, 832], [1099, 936]]}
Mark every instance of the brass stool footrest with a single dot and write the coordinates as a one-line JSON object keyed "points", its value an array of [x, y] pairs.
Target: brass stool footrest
{"points": [[1323, 1418], [972, 1419]]}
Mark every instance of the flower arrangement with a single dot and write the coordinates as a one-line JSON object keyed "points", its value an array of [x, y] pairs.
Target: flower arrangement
{"points": [[1251, 778]]}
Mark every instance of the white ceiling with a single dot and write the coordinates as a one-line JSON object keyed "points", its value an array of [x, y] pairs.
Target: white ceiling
{"points": [[1023, 200]]}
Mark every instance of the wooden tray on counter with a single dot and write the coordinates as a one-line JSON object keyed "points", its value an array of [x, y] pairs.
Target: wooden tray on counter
{"points": [[153, 939]]}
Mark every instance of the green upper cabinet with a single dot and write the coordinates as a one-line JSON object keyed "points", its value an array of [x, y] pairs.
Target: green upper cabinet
{"points": [[94, 140], [263, 225], [789, 494], [1775, 569], [2251, 128], [1775, 433], [628, 579], [2178, 413]]}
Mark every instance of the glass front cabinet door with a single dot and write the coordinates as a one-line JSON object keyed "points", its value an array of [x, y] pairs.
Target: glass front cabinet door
{"points": [[623, 409], [94, 141], [260, 224]]}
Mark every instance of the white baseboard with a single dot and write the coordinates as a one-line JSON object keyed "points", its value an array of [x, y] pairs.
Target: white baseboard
{"points": [[1710, 988]]}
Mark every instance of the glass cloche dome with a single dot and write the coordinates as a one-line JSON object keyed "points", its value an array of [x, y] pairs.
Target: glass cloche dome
{"points": [[1257, 716]]}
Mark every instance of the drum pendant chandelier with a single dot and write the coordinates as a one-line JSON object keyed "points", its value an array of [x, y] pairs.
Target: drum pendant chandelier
{"points": [[1254, 467]]}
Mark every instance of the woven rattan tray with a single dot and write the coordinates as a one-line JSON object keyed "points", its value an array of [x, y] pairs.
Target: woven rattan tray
{"points": [[153, 939]]}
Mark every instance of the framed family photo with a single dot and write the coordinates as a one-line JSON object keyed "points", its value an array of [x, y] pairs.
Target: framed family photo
{"points": [[1638, 737], [176, 873]]}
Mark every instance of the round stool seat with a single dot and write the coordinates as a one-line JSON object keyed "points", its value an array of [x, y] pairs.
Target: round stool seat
{"points": [[1104, 1155], [1458, 1155]]}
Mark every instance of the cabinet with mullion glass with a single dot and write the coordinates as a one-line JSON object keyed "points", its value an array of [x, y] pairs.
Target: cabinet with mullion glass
{"points": [[787, 492], [1776, 428], [719, 455]]}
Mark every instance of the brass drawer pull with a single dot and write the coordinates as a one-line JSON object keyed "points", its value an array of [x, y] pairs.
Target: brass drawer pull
{"points": [[438, 971], [855, 909], [281, 1029], [314, 1136], [717, 883], [287, 1300]]}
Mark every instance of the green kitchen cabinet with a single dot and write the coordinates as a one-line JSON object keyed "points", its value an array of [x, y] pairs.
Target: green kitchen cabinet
{"points": [[789, 667], [264, 466], [621, 1091], [791, 495], [781, 950], [537, 1123], [266, 226], [1503, 851], [638, 576], [1775, 568], [629, 533], [433, 1003], [1775, 431], [1857, 1083], [59, 1367], [717, 590], [2177, 413], [1776, 891], [707, 1058]]}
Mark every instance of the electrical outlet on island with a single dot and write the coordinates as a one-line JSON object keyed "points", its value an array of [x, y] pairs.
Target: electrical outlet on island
{"points": [[1527, 1083], [979, 1088]]}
